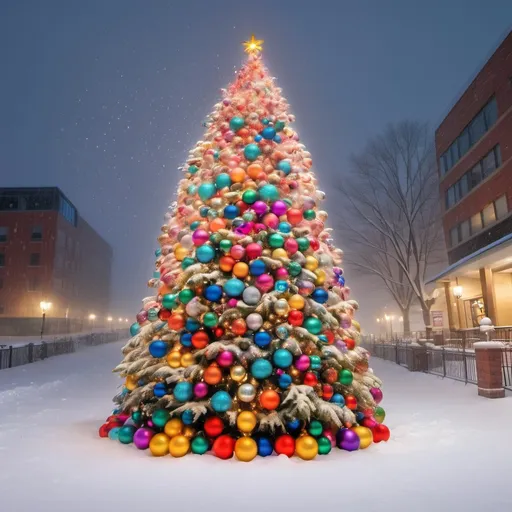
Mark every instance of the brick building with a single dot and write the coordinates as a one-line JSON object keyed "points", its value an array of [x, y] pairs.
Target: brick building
{"points": [[49, 253], [474, 150]]}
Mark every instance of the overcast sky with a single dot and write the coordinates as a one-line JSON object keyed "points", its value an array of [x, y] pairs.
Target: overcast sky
{"points": [[104, 98]]}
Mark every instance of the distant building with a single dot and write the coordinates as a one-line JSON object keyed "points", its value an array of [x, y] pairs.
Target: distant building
{"points": [[474, 150], [49, 253]]}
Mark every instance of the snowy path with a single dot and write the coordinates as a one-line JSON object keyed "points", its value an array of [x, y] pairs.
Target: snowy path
{"points": [[450, 451]]}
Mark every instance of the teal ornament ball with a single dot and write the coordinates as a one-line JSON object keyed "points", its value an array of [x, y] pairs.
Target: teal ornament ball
{"points": [[269, 193], [282, 358], [152, 314], [183, 391], [191, 190], [236, 123], [303, 244], [206, 191], [285, 166], [225, 245], [324, 445], [282, 332], [221, 401], [126, 434], [261, 369], [315, 428], [252, 152], [199, 445], [160, 417], [134, 329], [193, 169], [205, 253], [210, 319], [113, 433], [279, 125], [284, 227], [158, 252], [187, 262], [234, 287], [187, 417], [137, 416], [294, 268], [275, 240], [222, 180], [186, 295], [268, 133], [313, 325]]}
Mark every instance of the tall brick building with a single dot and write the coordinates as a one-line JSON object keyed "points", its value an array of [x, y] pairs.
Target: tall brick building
{"points": [[49, 253], [474, 150]]}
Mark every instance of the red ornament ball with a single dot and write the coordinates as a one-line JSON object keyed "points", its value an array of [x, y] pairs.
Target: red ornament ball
{"points": [[350, 343], [200, 339], [213, 426], [176, 322], [239, 326], [330, 375], [295, 318], [164, 315], [351, 402], [314, 244], [310, 379], [330, 337], [327, 391], [380, 433], [270, 399], [285, 445], [294, 216], [218, 332], [104, 430], [253, 251], [223, 447]]}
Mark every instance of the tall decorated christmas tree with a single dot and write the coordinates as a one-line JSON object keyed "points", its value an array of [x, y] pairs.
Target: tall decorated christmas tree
{"points": [[250, 345]]}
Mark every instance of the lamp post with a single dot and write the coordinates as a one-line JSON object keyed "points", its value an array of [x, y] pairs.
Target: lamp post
{"points": [[92, 317], [45, 306], [109, 320]]}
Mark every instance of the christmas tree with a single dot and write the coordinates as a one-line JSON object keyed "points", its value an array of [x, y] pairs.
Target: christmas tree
{"points": [[250, 345]]}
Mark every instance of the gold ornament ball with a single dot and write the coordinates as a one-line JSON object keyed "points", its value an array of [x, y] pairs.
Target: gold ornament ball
{"points": [[237, 373], [179, 446], [180, 253], [281, 307], [356, 326], [159, 445], [173, 427], [131, 382], [174, 359], [189, 432], [187, 359], [296, 301], [246, 421], [321, 276], [311, 263], [279, 253], [246, 449], [306, 447], [365, 436]]}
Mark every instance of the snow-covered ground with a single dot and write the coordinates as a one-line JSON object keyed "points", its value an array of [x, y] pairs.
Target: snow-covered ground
{"points": [[450, 451]]}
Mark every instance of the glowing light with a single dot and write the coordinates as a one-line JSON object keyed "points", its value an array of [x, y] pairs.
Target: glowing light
{"points": [[45, 306], [253, 46], [457, 292], [92, 317]]}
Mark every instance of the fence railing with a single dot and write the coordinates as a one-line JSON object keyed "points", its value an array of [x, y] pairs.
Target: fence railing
{"points": [[506, 366], [11, 356]]}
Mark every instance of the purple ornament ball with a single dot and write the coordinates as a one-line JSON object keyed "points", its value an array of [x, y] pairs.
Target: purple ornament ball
{"points": [[377, 395], [347, 440], [142, 437], [260, 207], [279, 208], [302, 363], [201, 389]]}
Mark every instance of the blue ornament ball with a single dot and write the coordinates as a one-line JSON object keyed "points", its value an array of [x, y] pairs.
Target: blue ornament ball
{"points": [[281, 286], [268, 133], [282, 358], [236, 123], [258, 138], [261, 368], [203, 211], [206, 191], [221, 401], [134, 329], [234, 287], [285, 166], [213, 293], [284, 227], [160, 389], [269, 193], [186, 339], [320, 295], [359, 416], [257, 268], [265, 121], [262, 339], [183, 391], [222, 180], [282, 332], [293, 425], [285, 381], [277, 139], [205, 253], [264, 447], [192, 324], [231, 211], [338, 399], [187, 417], [252, 152], [158, 348]]}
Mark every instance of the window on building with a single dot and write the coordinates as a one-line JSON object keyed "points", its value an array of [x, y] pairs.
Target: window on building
{"points": [[35, 259], [463, 185], [442, 165], [464, 143], [33, 284], [476, 223], [9, 203], [489, 215], [488, 164], [465, 230], [501, 206], [497, 152], [2, 259], [491, 113], [475, 175], [477, 128], [4, 231], [37, 233], [450, 197], [454, 151], [454, 236]]}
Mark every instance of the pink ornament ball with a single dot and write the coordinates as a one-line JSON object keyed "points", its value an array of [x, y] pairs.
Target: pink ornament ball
{"points": [[346, 321], [332, 438], [376, 394], [200, 390], [200, 237], [302, 363], [279, 208], [260, 207], [291, 246], [369, 422], [228, 136], [264, 283], [123, 417], [142, 316], [271, 220], [237, 252], [142, 437], [281, 273], [150, 424], [225, 359], [253, 251], [259, 227], [232, 303]]}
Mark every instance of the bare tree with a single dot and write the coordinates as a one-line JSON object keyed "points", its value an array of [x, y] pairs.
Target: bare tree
{"points": [[394, 220]]}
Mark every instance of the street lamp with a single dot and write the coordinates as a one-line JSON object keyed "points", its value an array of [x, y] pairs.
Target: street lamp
{"points": [[92, 317], [45, 306], [457, 292], [109, 320]]}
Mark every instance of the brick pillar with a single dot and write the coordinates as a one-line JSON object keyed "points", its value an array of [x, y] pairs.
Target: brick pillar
{"points": [[417, 358], [489, 369]]}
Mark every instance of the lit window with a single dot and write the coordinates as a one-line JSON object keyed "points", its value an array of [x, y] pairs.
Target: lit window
{"points": [[488, 214], [476, 223], [464, 230], [4, 231], [501, 206], [454, 236]]}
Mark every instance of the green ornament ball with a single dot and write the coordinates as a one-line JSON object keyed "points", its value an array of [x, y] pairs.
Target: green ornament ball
{"points": [[315, 428], [250, 196], [316, 362], [313, 325], [309, 214], [126, 434], [199, 445], [236, 123], [278, 126], [193, 169], [294, 268], [169, 301], [187, 262], [210, 319], [137, 416], [324, 445], [345, 377], [160, 417], [303, 243], [275, 240], [379, 414], [186, 295], [225, 245]]}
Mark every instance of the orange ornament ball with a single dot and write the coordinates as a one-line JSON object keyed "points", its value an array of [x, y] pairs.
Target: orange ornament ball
{"points": [[350, 343], [254, 170], [351, 402], [239, 326], [200, 339], [212, 375], [237, 175], [294, 216], [270, 399], [176, 322], [217, 224], [241, 269], [243, 132], [226, 263]]}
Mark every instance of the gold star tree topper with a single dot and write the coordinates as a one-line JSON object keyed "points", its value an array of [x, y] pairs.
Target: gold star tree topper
{"points": [[253, 46]]}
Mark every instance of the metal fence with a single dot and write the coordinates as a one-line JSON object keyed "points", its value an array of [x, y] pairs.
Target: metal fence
{"points": [[11, 356], [506, 366]]}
